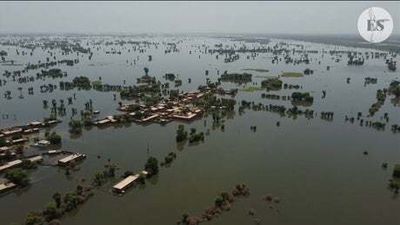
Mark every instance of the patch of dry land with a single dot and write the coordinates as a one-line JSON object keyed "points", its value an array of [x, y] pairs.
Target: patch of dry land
{"points": [[292, 74]]}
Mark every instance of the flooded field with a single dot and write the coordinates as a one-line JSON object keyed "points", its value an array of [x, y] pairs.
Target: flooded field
{"points": [[312, 130]]}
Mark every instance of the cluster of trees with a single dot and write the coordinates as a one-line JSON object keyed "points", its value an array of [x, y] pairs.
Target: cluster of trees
{"points": [[75, 127], [221, 203], [59, 206], [181, 134], [299, 98], [236, 77], [151, 166], [54, 138], [18, 176], [169, 158], [101, 177], [272, 84], [195, 137]]}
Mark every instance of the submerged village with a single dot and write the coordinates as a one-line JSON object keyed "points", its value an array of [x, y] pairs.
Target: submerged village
{"points": [[168, 99]]}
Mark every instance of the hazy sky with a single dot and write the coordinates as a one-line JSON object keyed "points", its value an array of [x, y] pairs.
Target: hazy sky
{"points": [[173, 17]]}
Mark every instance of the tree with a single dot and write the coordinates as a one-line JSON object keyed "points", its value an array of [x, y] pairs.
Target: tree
{"points": [[181, 134], [57, 199], [18, 176], [146, 71], [151, 166], [54, 138], [98, 179], [75, 126], [51, 212], [33, 218], [71, 201]]}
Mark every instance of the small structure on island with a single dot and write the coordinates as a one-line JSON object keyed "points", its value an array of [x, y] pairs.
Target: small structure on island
{"points": [[128, 181]]}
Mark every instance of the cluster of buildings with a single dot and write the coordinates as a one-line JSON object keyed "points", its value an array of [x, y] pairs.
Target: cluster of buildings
{"points": [[180, 108], [14, 135]]}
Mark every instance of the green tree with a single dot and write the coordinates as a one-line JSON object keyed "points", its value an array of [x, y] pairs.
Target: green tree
{"points": [[18, 176], [54, 138], [57, 199], [51, 212], [151, 166], [33, 218]]}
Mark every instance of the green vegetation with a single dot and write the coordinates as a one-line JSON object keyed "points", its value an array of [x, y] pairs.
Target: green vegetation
{"points": [[252, 89], [82, 82], [292, 74], [304, 99], [257, 70], [169, 158], [394, 88], [181, 134], [273, 84], [53, 73], [195, 137], [380, 100], [54, 138], [396, 171], [75, 127], [151, 166], [18, 176], [59, 206], [222, 203], [170, 76], [236, 77], [34, 218], [27, 164]]}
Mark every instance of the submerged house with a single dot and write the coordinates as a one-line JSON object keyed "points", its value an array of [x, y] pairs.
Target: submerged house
{"points": [[128, 181], [70, 159], [10, 165]]}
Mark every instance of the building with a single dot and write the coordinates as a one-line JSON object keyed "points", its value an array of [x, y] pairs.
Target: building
{"points": [[70, 159], [121, 186], [10, 165], [6, 185], [35, 159]]}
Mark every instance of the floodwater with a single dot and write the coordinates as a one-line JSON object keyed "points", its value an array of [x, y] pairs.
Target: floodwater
{"points": [[317, 168]]}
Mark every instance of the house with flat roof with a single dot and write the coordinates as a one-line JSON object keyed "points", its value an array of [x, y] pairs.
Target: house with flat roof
{"points": [[70, 159]]}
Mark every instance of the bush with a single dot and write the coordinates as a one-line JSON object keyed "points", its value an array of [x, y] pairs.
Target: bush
{"points": [[18, 176], [151, 166], [75, 127], [33, 218], [54, 138]]}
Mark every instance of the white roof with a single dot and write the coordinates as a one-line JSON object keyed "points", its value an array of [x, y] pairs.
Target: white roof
{"points": [[4, 148], [35, 123], [35, 158], [5, 186], [125, 182], [70, 158], [43, 142], [10, 164]]}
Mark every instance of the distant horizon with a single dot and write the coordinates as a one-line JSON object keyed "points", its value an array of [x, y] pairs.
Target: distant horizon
{"points": [[265, 17]]}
